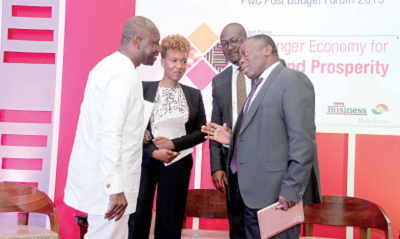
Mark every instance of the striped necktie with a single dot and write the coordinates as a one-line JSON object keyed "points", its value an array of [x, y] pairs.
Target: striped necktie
{"points": [[240, 91], [234, 157]]}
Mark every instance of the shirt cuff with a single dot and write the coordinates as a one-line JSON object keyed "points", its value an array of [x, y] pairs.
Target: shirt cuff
{"points": [[113, 184], [226, 145]]}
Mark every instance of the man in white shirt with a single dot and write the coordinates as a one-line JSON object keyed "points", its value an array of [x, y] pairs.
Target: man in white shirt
{"points": [[105, 165]]}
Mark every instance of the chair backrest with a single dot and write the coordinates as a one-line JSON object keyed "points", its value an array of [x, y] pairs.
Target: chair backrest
{"points": [[20, 198], [205, 203], [347, 211]]}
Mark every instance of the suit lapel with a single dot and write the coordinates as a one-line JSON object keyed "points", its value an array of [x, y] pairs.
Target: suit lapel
{"points": [[189, 101], [233, 138], [152, 91], [150, 95], [228, 92], [257, 101]]}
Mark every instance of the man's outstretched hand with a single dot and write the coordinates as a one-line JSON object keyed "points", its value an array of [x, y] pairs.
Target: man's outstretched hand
{"points": [[117, 206], [216, 132]]}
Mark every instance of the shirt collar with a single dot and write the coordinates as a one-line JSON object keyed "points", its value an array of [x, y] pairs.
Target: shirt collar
{"points": [[268, 71], [235, 68]]}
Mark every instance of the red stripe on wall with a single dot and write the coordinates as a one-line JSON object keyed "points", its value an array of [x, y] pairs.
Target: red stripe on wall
{"points": [[332, 157], [32, 184], [207, 183], [24, 140], [25, 116], [189, 220], [31, 11], [206, 179], [29, 57], [30, 34], [22, 163], [376, 176]]}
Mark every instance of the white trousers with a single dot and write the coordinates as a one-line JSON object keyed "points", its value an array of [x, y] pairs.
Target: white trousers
{"points": [[100, 228]]}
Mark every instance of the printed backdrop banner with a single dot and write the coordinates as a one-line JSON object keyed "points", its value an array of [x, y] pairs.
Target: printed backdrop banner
{"points": [[348, 48]]}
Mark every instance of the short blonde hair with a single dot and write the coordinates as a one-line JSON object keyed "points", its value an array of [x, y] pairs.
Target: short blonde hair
{"points": [[174, 42]]}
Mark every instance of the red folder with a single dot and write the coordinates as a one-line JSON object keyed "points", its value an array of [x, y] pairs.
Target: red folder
{"points": [[273, 222]]}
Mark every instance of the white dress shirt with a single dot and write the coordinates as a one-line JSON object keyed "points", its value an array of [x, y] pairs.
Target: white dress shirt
{"points": [[235, 71], [107, 153], [264, 75]]}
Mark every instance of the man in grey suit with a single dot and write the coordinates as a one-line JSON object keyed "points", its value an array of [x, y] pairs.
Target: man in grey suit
{"points": [[230, 89], [273, 152]]}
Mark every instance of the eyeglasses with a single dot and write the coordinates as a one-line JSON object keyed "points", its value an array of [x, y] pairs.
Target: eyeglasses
{"points": [[233, 42]]}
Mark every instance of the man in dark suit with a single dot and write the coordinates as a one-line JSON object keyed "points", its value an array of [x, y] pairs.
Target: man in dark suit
{"points": [[229, 90], [273, 152]]}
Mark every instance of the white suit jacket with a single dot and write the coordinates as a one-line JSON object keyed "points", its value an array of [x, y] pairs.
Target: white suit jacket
{"points": [[107, 153]]}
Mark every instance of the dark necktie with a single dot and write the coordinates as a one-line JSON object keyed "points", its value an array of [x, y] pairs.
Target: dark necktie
{"points": [[240, 91], [234, 157]]}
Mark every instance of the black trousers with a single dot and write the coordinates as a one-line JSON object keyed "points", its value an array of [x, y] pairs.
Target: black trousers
{"points": [[172, 189], [252, 229], [235, 209]]}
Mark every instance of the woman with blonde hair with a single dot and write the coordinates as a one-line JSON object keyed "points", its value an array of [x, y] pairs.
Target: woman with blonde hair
{"points": [[172, 181]]}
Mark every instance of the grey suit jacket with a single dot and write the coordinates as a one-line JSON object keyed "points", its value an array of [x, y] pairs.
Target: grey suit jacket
{"points": [[221, 113], [276, 147]]}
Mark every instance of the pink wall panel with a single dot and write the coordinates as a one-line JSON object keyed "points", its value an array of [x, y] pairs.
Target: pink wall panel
{"points": [[31, 11], [25, 116], [30, 34], [377, 175], [24, 140], [29, 57], [332, 153], [22, 163], [92, 32]]}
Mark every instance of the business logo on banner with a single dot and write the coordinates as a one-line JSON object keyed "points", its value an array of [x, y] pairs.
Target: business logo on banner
{"points": [[338, 108], [339, 111], [206, 58]]}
